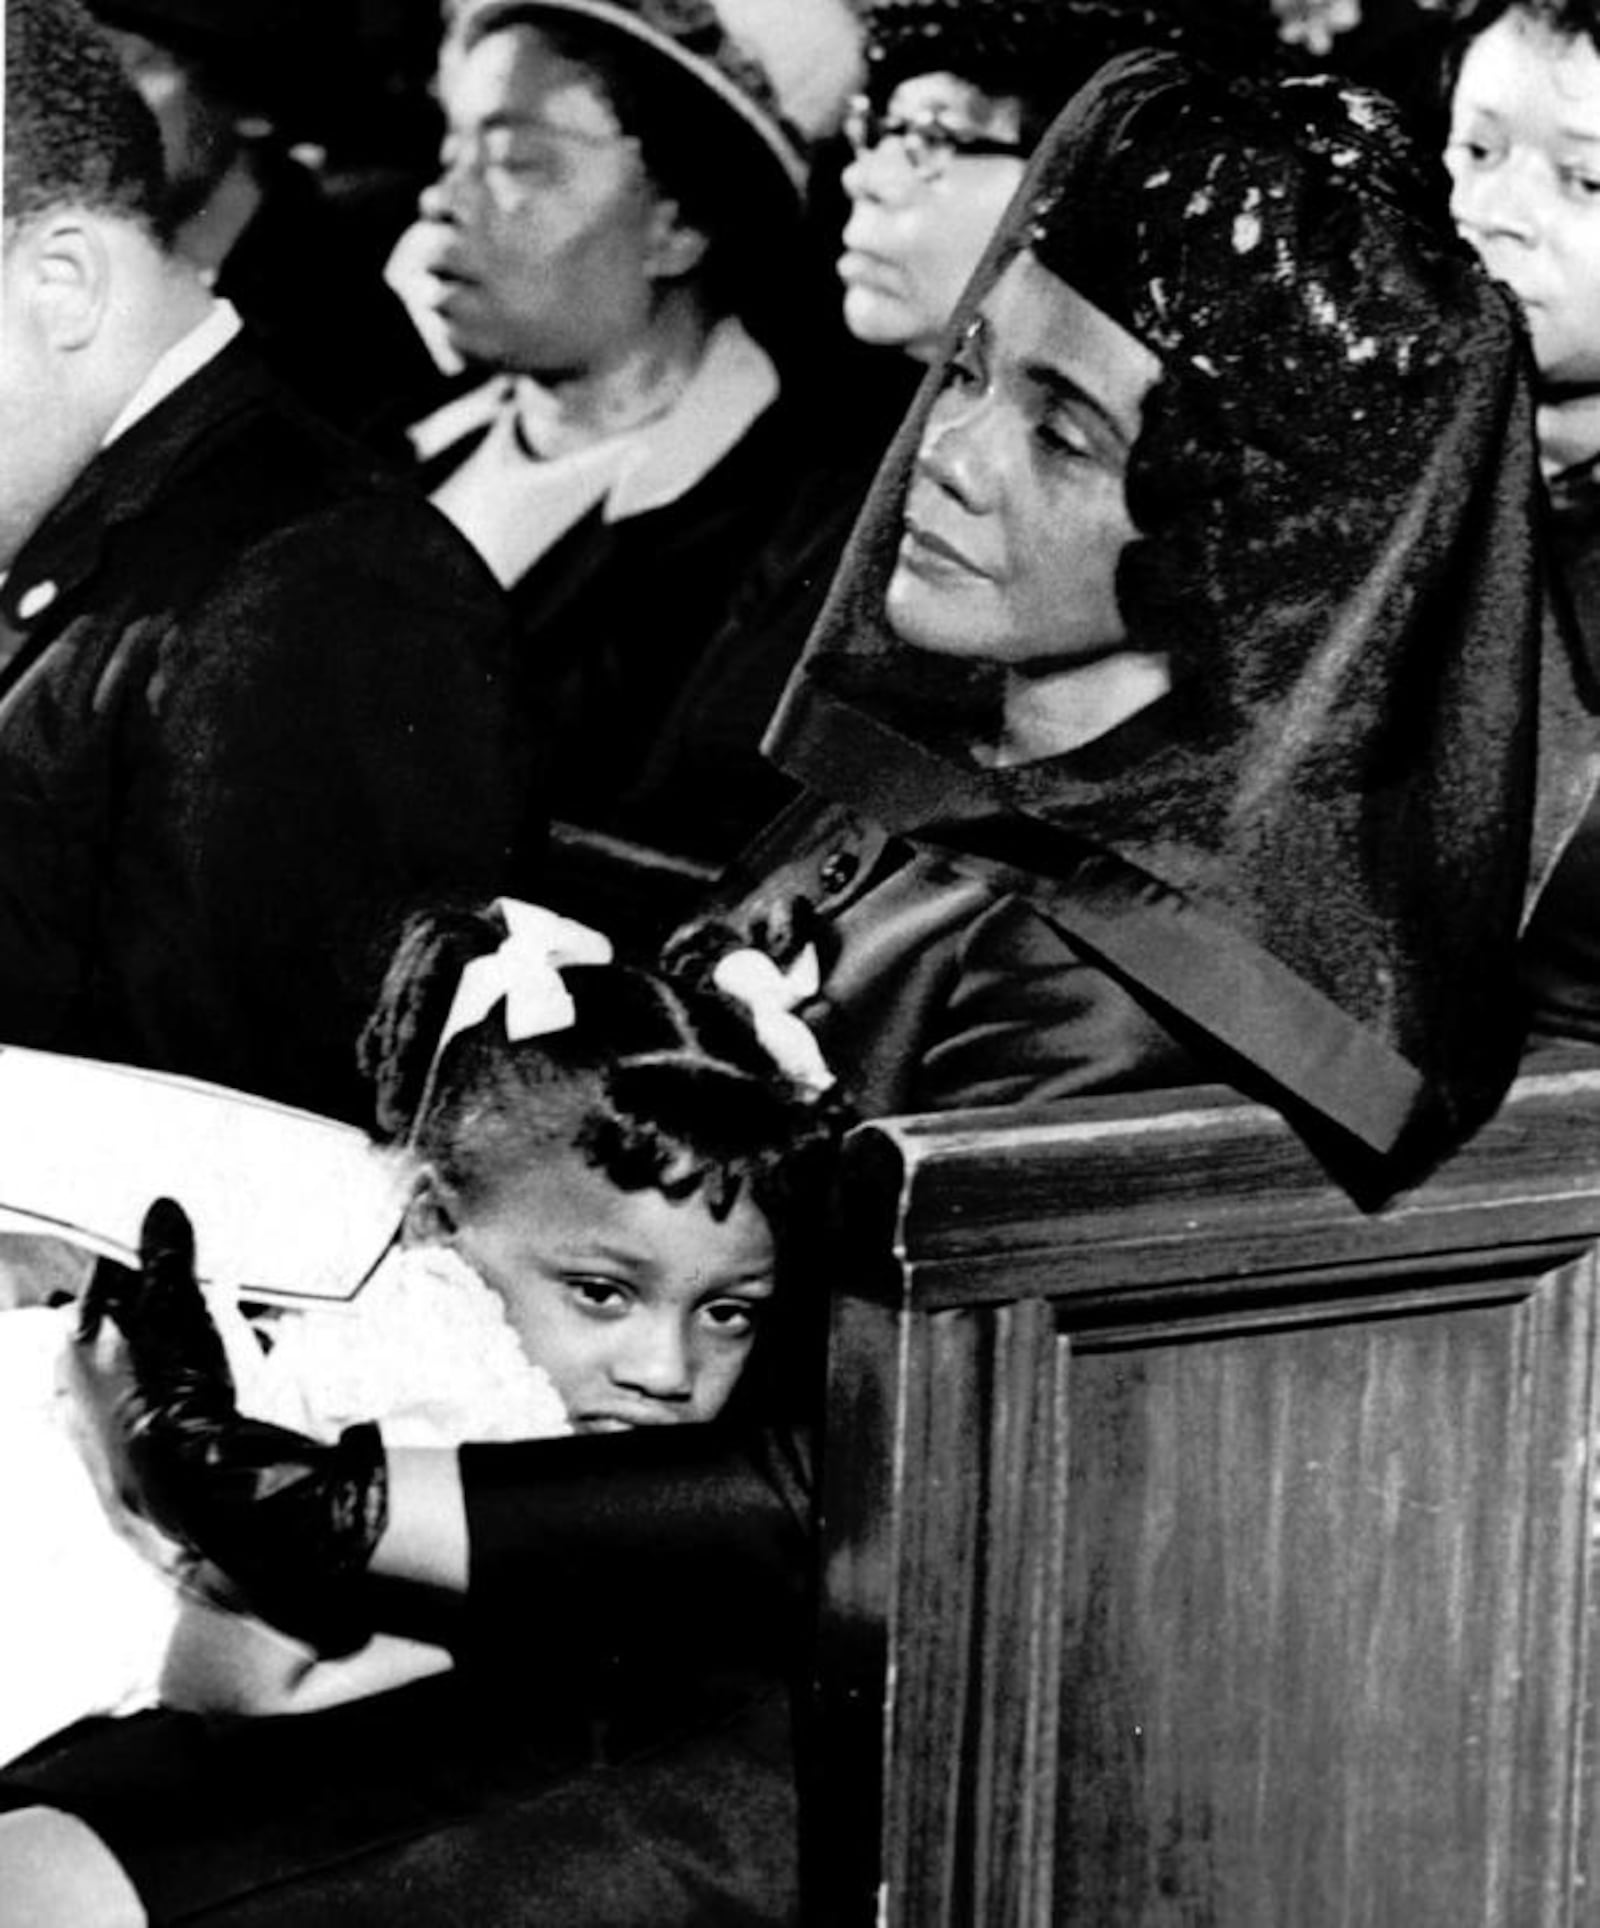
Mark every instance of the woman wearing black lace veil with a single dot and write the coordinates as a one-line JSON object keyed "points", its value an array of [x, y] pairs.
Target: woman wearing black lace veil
{"points": [[1173, 717], [1176, 702]]}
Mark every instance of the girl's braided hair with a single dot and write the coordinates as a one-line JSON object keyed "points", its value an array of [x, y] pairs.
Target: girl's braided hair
{"points": [[659, 1083]]}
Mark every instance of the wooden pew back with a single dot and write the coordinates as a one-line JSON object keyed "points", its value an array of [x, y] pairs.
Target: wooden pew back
{"points": [[1198, 1548]]}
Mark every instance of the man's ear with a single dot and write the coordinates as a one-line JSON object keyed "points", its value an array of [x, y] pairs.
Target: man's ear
{"points": [[433, 1211], [62, 273], [673, 248]]}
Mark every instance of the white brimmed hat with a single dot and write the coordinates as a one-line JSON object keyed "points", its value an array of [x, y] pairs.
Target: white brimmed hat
{"points": [[785, 67]]}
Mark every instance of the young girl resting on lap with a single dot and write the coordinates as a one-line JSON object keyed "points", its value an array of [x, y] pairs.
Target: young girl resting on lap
{"points": [[601, 1168]]}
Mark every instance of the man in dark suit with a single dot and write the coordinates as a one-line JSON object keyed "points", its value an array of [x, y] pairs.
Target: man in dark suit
{"points": [[252, 700]]}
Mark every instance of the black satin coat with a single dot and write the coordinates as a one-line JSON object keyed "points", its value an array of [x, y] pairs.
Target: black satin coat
{"points": [[1304, 868]]}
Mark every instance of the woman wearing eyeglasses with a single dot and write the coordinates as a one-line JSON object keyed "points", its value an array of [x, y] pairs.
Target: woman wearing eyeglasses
{"points": [[616, 241], [958, 94]]}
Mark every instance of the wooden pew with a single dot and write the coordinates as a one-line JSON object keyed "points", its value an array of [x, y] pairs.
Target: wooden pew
{"points": [[1199, 1549]]}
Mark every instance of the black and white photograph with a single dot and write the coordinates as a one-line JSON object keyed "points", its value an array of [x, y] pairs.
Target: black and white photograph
{"points": [[800, 964]]}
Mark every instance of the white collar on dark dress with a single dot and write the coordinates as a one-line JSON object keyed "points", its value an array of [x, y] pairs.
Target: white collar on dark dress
{"points": [[514, 506]]}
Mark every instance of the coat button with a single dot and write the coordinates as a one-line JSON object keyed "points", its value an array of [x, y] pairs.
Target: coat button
{"points": [[35, 600], [838, 870]]}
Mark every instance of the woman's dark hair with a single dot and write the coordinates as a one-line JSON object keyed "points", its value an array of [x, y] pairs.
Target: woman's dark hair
{"points": [[1466, 20], [1040, 52], [76, 132]]}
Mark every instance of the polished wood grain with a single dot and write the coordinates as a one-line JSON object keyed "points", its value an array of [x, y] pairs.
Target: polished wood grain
{"points": [[1200, 1548]]}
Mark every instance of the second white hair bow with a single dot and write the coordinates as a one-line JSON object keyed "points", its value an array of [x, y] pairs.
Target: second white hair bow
{"points": [[526, 971], [770, 994]]}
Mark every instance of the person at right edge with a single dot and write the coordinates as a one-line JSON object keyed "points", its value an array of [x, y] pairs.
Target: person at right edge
{"points": [[1179, 697], [1522, 80]]}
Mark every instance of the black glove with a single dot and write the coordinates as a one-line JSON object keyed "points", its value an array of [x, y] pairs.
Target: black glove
{"points": [[291, 1522]]}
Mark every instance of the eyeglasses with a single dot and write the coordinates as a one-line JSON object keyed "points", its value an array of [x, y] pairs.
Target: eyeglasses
{"points": [[512, 160], [928, 143]]}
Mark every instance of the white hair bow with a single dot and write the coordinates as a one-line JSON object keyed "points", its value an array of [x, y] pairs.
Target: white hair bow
{"points": [[770, 994], [526, 971]]}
